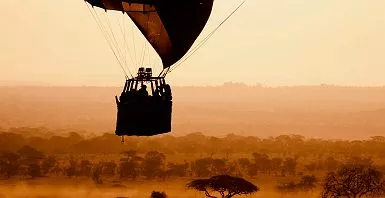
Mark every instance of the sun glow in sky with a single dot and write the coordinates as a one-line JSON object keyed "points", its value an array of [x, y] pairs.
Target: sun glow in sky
{"points": [[274, 42]]}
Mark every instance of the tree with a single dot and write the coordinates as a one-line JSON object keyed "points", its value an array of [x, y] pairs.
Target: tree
{"points": [[30, 153], [307, 183], [130, 165], [289, 165], [178, 170], [72, 169], [242, 165], [208, 166], [288, 187], [96, 174], [227, 186], [34, 170], [30, 159], [218, 166], [353, 181], [262, 162], [85, 168], [109, 168], [153, 164], [48, 164], [156, 194], [202, 167], [9, 164], [275, 164], [330, 164]]}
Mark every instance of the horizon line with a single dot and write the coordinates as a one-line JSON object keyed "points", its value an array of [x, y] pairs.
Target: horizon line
{"points": [[224, 84]]}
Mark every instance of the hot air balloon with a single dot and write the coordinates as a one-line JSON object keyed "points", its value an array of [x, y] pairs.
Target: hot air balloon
{"points": [[171, 27]]}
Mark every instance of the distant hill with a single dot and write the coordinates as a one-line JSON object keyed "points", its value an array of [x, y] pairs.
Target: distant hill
{"points": [[312, 111]]}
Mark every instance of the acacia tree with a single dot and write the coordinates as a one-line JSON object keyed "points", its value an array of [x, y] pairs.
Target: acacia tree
{"points": [[353, 181], [227, 186]]}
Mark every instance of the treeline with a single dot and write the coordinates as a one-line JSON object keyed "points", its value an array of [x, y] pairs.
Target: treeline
{"points": [[195, 144], [29, 162], [194, 155]]}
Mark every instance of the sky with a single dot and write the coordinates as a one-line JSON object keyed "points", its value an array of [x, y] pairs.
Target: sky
{"points": [[269, 42]]}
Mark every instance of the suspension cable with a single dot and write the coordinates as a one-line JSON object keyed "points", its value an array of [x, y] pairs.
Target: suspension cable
{"points": [[113, 40], [105, 35], [124, 44], [133, 43], [145, 44], [200, 44], [143, 54], [116, 43], [161, 72], [126, 48]]}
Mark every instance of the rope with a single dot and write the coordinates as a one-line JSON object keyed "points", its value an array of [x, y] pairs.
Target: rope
{"points": [[115, 41], [133, 41], [200, 44], [126, 48], [143, 54], [145, 44], [107, 36], [124, 44], [98, 22]]}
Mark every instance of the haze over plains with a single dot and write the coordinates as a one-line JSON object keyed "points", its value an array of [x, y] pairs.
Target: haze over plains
{"points": [[315, 111], [310, 99], [275, 42]]}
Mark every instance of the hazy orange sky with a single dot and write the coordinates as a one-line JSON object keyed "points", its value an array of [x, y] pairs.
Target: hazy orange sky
{"points": [[273, 42]]}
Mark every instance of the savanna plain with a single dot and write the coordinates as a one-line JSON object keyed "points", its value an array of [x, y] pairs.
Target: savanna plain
{"points": [[301, 141]]}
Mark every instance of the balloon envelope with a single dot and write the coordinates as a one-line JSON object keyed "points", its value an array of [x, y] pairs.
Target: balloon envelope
{"points": [[170, 26]]}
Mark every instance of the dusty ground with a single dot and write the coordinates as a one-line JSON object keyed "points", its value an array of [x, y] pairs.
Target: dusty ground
{"points": [[71, 188]]}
